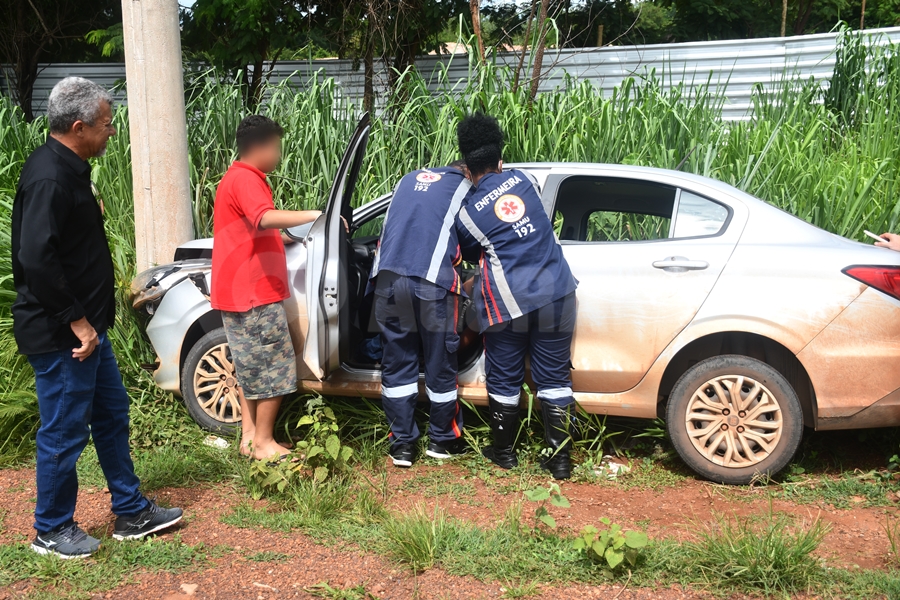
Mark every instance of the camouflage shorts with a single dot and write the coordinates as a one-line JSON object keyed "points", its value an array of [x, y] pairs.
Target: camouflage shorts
{"points": [[262, 351]]}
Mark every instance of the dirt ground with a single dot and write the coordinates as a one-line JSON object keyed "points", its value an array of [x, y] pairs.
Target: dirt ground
{"points": [[857, 537]]}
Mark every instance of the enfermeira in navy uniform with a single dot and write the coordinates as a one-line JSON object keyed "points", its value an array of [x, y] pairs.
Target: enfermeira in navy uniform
{"points": [[525, 298], [417, 306]]}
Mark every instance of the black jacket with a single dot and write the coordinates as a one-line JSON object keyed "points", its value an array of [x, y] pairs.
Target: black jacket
{"points": [[62, 267]]}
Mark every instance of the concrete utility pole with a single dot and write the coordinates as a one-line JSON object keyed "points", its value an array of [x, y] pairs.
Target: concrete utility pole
{"points": [[156, 119]]}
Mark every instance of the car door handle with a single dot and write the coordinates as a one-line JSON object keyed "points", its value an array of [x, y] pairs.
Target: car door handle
{"points": [[680, 264]]}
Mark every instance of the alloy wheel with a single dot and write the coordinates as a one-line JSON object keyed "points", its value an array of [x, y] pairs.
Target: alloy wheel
{"points": [[216, 387], [734, 421]]}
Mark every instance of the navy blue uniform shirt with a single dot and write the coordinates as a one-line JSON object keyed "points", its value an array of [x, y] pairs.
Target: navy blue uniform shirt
{"points": [[503, 225], [419, 237]]}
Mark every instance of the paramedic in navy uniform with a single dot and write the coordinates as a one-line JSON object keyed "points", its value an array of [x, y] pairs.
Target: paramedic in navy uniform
{"points": [[417, 304], [524, 295]]}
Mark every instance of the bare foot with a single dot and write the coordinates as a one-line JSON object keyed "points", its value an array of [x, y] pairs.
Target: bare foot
{"points": [[270, 451], [245, 446]]}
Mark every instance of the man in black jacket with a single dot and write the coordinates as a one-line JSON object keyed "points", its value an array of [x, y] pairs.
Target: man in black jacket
{"points": [[64, 306]]}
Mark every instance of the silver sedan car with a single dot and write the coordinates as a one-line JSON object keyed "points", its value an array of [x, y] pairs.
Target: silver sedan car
{"points": [[736, 322]]}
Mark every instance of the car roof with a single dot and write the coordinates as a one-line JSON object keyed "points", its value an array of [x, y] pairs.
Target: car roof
{"points": [[639, 171]]}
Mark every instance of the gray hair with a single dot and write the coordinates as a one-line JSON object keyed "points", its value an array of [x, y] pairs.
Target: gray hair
{"points": [[75, 99]]}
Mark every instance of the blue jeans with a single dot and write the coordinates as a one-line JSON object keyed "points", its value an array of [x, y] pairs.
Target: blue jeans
{"points": [[77, 400]]}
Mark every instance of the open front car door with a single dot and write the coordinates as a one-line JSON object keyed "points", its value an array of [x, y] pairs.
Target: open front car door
{"points": [[326, 245]]}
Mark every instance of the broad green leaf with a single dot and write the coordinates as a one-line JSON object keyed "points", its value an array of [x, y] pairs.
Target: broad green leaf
{"points": [[537, 495], [598, 548], [560, 501], [315, 451], [631, 555], [589, 529], [272, 479], [333, 446], [305, 420], [578, 544], [548, 521], [618, 542], [614, 558], [329, 413], [320, 474], [346, 453], [635, 539]]}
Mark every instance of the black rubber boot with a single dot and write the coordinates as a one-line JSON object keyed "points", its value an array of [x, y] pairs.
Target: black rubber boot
{"points": [[505, 428], [558, 423]]}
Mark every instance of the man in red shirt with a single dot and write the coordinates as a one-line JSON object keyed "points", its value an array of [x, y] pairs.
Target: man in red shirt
{"points": [[249, 282]]}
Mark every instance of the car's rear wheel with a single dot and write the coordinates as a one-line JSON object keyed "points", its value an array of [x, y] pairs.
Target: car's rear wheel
{"points": [[733, 419], [209, 386]]}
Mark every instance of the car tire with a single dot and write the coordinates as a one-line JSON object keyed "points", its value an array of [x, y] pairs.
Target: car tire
{"points": [[717, 444], [209, 386]]}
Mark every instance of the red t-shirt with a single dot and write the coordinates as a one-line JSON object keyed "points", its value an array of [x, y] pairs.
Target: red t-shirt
{"points": [[248, 263]]}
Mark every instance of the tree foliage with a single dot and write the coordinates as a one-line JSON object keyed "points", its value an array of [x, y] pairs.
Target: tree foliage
{"points": [[242, 36], [36, 31]]}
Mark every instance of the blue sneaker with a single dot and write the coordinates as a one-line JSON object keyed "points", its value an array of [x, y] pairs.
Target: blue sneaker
{"points": [[68, 542]]}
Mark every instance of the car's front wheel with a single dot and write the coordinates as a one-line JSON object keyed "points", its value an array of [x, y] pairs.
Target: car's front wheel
{"points": [[733, 418], [209, 386]]}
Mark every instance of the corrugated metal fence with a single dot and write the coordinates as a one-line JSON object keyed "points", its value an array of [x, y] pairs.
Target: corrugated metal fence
{"points": [[733, 66]]}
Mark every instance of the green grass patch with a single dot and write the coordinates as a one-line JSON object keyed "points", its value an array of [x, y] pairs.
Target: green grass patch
{"points": [[106, 569], [268, 556], [434, 483], [324, 590], [772, 554], [844, 490], [653, 473], [166, 466]]}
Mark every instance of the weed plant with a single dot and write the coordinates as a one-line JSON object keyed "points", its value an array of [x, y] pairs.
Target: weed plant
{"points": [[772, 554]]}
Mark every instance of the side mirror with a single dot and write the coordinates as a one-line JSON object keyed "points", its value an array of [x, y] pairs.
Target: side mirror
{"points": [[299, 232]]}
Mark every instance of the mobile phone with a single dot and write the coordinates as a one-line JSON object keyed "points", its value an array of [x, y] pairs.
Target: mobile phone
{"points": [[874, 236]]}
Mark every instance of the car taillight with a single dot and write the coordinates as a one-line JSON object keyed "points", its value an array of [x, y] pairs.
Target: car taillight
{"points": [[884, 278]]}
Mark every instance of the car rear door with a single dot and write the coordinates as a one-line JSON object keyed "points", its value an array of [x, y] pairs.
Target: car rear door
{"points": [[326, 245], [642, 276]]}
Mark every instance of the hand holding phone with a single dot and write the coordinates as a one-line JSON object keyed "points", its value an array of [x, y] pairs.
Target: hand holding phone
{"points": [[888, 240], [874, 236]]}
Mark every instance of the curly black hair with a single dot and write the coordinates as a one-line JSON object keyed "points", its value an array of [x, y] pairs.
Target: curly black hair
{"points": [[480, 142], [254, 130]]}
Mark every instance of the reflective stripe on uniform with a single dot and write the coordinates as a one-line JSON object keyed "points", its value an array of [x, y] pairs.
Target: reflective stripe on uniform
{"points": [[507, 400], [440, 248], [400, 391], [512, 307], [555, 393], [441, 397]]}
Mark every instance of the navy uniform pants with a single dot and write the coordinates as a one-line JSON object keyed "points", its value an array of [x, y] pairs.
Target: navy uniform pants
{"points": [[544, 334], [413, 313]]}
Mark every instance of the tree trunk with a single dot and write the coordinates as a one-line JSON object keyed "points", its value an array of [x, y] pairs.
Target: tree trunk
{"points": [[475, 6], [539, 52], [25, 74], [804, 14], [25, 70], [369, 64], [527, 37], [784, 16], [862, 16]]}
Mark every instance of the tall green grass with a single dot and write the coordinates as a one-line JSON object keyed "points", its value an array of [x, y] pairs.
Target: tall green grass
{"points": [[830, 158]]}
